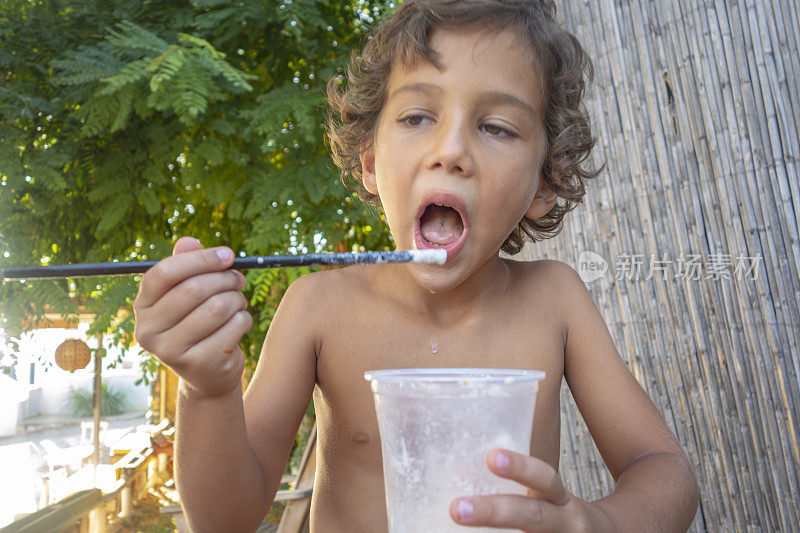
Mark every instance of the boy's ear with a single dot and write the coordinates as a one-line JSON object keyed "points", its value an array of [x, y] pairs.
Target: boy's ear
{"points": [[542, 203], [368, 170]]}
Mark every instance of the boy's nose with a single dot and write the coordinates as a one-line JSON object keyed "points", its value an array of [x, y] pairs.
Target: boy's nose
{"points": [[449, 150]]}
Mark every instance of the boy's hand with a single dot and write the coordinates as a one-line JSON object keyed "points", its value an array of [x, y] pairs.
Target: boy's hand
{"points": [[547, 507], [191, 315]]}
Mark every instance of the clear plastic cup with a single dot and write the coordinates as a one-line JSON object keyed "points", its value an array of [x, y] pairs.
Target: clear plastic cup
{"points": [[436, 427]]}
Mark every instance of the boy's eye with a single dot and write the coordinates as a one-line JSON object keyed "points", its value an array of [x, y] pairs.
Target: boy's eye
{"points": [[414, 120], [498, 131]]}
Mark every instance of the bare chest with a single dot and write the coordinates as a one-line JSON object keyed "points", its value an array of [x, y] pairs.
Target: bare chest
{"points": [[349, 439], [346, 417]]}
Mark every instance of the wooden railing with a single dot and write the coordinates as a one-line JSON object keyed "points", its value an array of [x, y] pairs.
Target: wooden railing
{"points": [[89, 511]]}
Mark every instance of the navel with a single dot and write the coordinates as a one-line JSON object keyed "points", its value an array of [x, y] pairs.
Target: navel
{"points": [[360, 438]]}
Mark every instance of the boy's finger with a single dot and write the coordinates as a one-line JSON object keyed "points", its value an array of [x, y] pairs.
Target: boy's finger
{"points": [[213, 314], [174, 269], [190, 294], [182, 300], [220, 349], [186, 244], [508, 511], [534, 473]]}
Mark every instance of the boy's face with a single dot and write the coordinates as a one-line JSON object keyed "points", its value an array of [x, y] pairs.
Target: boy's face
{"points": [[457, 154]]}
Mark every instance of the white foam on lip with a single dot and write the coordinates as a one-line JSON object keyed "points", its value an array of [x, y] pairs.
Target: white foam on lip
{"points": [[429, 256]]}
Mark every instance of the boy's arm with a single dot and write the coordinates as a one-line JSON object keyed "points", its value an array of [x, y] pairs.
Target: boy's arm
{"points": [[655, 487], [217, 475], [281, 388], [231, 452]]}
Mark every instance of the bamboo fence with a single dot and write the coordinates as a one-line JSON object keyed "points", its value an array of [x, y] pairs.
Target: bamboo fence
{"points": [[697, 112]]}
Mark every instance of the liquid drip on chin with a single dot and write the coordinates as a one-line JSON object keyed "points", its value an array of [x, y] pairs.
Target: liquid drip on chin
{"points": [[434, 344]]}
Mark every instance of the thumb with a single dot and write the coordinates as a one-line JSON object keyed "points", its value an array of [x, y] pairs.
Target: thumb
{"points": [[186, 244]]}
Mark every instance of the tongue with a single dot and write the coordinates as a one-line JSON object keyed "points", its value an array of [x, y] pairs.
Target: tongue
{"points": [[441, 225]]}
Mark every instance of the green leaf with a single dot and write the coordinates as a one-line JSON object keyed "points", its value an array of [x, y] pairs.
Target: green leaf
{"points": [[113, 215], [210, 152], [149, 200]]}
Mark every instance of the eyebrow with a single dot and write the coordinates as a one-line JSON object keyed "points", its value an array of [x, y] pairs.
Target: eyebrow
{"points": [[498, 97], [425, 88], [506, 98]]}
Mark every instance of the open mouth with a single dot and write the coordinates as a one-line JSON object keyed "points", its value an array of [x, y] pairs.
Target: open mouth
{"points": [[441, 224]]}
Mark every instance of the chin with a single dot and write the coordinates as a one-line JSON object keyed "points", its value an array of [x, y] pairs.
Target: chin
{"points": [[436, 279]]}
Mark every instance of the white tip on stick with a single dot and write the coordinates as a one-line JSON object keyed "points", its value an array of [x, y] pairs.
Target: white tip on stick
{"points": [[429, 257]]}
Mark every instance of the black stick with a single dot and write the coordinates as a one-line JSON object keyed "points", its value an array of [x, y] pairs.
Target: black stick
{"points": [[243, 263]]}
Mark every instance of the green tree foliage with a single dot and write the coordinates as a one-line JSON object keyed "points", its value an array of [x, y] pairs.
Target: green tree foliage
{"points": [[124, 125]]}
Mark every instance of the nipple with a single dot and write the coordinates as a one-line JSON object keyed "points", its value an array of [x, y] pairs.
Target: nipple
{"points": [[360, 437], [434, 344]]}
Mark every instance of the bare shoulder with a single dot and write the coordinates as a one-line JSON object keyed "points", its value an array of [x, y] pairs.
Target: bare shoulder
{"points": [[312, 284], [568, 296], [553, 281], [546, 271], [346, 277], [323, 289]]}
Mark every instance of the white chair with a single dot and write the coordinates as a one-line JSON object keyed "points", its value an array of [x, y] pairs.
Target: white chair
{"points": [[68, 457], [87, 431]]}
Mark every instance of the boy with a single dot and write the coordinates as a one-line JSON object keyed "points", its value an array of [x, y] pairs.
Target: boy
{"points": [[463, 119]]}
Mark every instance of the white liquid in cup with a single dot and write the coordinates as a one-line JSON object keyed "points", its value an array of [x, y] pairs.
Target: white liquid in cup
{"points": [[436, 426]]}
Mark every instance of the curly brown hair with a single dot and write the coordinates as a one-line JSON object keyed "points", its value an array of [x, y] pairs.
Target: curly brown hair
{"points": [[564, 66]]}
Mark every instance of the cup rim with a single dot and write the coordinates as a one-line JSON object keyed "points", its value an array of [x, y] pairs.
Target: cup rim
{"points": [[454, 375]]}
